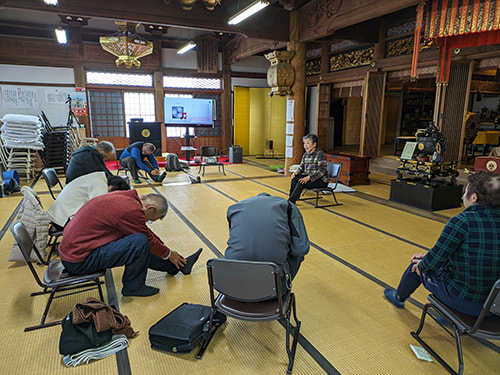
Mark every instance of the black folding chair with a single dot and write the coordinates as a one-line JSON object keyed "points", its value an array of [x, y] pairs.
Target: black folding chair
{"points": [[483, 326], [56, 279], [51, 179], [334, 170], [251, 291]]}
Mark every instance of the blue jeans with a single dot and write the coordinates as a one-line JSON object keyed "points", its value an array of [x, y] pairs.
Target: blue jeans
{"points": [[296, 187], [434, 282], [129, 162], [132, 251]]}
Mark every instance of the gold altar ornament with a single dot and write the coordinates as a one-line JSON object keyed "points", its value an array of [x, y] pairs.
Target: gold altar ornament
{"points": [[126, 44], [281, 74]]}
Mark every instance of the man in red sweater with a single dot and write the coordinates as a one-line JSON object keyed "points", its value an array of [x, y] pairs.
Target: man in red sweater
{"points": [[110, 231]]}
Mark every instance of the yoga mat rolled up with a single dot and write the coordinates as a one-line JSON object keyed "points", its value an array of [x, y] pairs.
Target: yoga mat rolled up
{"points": [[274, 168]]}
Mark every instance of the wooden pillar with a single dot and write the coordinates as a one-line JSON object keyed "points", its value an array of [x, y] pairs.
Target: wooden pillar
{"points": [[324, 98], [226, 115], [298, 89], [371, 120], [81, 81], [159, 106], [323, 115], [379, 48], [453, 107]]}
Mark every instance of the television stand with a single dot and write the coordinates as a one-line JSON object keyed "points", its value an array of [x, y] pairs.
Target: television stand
{"points": [[187, 148]]}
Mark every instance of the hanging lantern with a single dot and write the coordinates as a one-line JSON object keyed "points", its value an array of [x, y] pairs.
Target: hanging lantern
{"points": [[126, 44], [188, 4], [281, 74]]}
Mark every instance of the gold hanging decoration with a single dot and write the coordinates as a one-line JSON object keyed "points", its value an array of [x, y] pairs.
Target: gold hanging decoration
{"points": [[126, 44], [188, 4]]}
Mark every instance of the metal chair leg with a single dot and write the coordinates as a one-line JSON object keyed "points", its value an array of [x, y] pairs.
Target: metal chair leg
{"points": [[291, 350], [431, 351]]}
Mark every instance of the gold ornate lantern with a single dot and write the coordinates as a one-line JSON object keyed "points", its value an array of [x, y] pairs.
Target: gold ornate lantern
{"points": [[188, 4], [126, 44], [281, 74]]}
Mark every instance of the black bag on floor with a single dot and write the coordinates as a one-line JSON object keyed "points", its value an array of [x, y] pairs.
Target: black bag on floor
{"points": [[184, 328], [173, 164]]}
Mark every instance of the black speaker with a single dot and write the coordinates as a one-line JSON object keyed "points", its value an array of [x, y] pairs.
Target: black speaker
{"points": [[141, 131], [235, 154]]}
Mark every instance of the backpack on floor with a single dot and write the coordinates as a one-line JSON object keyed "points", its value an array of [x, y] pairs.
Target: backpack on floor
{"points": [[173, 164], [184, 328]]}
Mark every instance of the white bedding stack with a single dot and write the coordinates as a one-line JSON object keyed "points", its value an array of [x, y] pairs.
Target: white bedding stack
{"points": [[22, 131]]}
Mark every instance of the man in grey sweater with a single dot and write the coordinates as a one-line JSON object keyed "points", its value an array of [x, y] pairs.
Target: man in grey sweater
{"points": [[268, 229]]}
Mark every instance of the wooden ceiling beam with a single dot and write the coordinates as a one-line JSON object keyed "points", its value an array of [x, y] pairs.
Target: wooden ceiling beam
{"points": [[273, 20]]}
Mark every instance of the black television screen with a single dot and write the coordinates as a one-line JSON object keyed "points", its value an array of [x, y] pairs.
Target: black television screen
{"points": [[190, 112]]}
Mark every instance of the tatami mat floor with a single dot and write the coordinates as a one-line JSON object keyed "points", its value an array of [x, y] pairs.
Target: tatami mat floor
{"points": [[348, 327]]}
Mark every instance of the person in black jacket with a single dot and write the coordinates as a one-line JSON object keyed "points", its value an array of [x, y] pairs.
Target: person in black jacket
{"points": [[90, 158], [140, 155]]}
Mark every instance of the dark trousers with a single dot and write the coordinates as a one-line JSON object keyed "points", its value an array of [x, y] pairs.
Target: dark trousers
{"points": [[129, 162], [157, 263], [132, 251], [434, 282], [296, 187]]}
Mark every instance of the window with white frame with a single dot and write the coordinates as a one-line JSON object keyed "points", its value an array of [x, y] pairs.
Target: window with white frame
{"points": [[192, 83], [139, 105], [122, 79]]}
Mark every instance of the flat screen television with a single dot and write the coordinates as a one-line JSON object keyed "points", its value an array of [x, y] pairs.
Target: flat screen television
{"points": [[191, 112]]}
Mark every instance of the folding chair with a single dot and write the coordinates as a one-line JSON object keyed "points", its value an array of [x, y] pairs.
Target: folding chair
{"points": [[51, 179], [209, 156], [251, 291], [119, 167], [334, 170], [56, 279], [484, 327]]}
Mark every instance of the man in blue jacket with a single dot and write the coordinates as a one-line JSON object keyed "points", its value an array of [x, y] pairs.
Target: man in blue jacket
{"points": [[139, 155]]}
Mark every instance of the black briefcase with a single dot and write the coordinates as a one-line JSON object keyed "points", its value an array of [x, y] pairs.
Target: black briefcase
{"points": [[184, 328]]}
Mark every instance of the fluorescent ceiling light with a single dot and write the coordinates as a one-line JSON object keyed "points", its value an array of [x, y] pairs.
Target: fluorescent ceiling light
{"points": [[248, 11], [50, 2], [188, 47], [61, 35]]}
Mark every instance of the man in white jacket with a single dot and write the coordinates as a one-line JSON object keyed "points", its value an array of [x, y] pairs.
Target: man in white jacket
{"points": [[79, 191]]}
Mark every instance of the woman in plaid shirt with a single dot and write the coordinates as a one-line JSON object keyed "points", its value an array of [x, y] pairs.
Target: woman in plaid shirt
{"points": [[463, 265], [312, 172]]}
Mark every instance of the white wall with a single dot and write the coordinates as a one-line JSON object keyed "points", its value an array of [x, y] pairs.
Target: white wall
{"points": [[490, 102], [36, 74], [170, 59], [252, 64], [32, 99], [249, 82]]}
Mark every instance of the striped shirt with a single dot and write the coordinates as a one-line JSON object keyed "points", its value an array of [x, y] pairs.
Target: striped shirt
{"points": [[313, 164], [468, 250]]}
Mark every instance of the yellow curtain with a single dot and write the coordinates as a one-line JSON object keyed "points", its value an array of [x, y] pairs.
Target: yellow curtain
{"points": [[258, 119]]}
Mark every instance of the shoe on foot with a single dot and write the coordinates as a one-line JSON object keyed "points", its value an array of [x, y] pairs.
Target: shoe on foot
{"points": [[391, 295], [162, 177], [191, 260], [137, 181], [144, 291]]}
